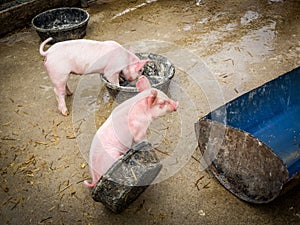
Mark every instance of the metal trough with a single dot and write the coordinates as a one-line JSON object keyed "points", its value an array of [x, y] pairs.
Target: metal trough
{"points": [[252, 144]]}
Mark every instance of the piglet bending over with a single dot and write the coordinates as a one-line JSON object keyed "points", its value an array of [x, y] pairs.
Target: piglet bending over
{"points": [[86, 57], [127, 124]]}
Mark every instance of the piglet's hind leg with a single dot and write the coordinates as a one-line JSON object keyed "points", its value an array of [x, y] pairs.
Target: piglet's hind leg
{"points": [[69, 93], [60, 92]]}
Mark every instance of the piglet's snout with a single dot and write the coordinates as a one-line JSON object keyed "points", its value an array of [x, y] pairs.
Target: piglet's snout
{"points": [[173, 105]]}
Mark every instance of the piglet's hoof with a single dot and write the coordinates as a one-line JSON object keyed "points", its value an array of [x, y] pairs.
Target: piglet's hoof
{"points": [[65, 113], [128, 177]]}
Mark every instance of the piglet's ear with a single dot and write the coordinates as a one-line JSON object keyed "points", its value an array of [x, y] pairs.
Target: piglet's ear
{"points": [[151, 99], [140, 64], [142, 84]]}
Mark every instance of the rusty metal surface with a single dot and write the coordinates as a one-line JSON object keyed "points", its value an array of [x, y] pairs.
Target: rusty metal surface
{"points": [[127, 178], [240, 162]]}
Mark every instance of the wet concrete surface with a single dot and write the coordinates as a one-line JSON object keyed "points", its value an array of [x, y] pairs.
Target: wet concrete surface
{"points": [[220, 49]]}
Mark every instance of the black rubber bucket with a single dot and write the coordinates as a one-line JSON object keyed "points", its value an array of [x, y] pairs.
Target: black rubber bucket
{"points": [[159, 72], [252, 144], [128, 177], [61, 24]]}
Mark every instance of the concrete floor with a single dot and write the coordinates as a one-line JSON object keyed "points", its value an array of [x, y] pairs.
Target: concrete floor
{"points": [[220, 49]]}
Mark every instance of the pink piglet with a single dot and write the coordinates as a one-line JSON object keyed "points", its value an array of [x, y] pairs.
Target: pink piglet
{"points": [[127, 125], [86, 57]]}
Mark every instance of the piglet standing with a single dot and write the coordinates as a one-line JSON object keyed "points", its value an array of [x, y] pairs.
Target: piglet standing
{"points": [[86, 57], [127, 124]]}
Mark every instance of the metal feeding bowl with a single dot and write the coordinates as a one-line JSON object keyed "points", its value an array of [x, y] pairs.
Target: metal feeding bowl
{"points": [[61, 24], [159, 72], [127, 178]]}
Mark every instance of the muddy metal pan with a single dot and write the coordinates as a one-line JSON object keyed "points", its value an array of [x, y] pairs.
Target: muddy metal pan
{"points": [[252, 144]]}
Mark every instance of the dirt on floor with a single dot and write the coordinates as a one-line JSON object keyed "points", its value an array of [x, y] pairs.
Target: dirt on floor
{"points": [[220, 49]]}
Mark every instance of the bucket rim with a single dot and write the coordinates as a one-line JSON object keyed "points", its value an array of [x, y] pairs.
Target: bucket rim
{"points": [[74, 26]]}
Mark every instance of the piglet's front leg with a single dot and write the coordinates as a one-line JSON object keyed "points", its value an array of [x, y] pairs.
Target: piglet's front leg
{"points": [[140, 136], [138, 128]]}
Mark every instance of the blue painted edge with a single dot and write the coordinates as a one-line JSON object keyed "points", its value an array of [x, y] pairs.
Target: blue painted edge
{"points": [[271, 113]]}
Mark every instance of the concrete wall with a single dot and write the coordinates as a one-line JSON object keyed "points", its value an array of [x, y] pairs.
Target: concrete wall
{"points": [[20, 14]]}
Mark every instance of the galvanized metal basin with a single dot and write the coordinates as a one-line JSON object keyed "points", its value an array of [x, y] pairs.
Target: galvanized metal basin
{"points": [[159, 72]]}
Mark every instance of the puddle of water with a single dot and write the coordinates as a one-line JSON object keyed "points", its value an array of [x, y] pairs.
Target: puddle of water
{"points": [[200, 2], [232, 62], [249, 17], [187, 27], [132, 9], [274, 1]]}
